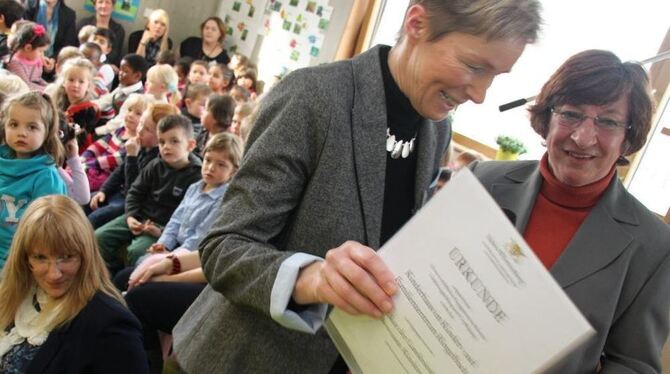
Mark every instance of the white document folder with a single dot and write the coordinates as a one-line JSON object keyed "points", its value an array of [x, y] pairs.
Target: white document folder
{"points": [[473, 297]]}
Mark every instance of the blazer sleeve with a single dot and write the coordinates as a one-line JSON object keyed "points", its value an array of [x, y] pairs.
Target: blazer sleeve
{"points": [[636, 338], [241, 254], [68, 32]]}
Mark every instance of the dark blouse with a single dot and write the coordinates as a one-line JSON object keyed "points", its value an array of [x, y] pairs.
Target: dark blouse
{"points": [[151, 49], [192, 47]]}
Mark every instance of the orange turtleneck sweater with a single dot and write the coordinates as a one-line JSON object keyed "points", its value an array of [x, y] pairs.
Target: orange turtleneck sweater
{"points": [[558, 212]]}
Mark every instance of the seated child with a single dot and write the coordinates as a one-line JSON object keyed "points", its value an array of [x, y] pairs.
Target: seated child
{"points": [[188, 225], [10, 12], [182, 67], [247, 79], [74, 96], [217, 117], [26, 58], [238, 62], [153, 196], [166, 57], [104, 38], [241, 112], [239, 94], [109, 202], [86, 33], [162, 83], [220, 78], [66, 53], [198, 73], [104, 74], [196, 213], [105, 154], [194, 104], [28, 164], [132, 70]]}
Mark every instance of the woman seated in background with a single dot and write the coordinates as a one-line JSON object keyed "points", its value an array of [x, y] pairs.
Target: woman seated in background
{"points": [[59, 21], [609, 253], [210, 46], [153, 39], [60, 312], [103, 19]]}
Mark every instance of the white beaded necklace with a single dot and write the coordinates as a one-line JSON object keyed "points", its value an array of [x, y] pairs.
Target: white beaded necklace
{"points": [[398, 148]]}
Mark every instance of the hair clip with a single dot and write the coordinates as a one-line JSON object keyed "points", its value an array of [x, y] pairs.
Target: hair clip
{"points": [[38, 30]]}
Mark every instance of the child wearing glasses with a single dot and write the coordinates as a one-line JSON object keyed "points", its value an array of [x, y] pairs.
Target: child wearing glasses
{"points": [[29, 156]]}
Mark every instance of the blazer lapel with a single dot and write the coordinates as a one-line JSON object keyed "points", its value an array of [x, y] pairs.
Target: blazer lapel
{"points": [[368, 124], [48, 351], [599, 240], [517, 200], [425, 158]]}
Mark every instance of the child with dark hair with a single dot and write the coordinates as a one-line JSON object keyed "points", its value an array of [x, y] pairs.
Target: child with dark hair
{"points": [[216, 118], [221, 78], [105, 39], [10, 12], [131, 71], [166, 58], [104, 74], [195, 101], [154, 195], [26, 57], [182, 67]]}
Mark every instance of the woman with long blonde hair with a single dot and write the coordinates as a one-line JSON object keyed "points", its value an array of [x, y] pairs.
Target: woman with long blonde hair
{"points": [[153, 39], [59, 310]]}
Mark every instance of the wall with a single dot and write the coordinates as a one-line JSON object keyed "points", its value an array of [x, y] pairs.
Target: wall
{"points": [[185, 16]]}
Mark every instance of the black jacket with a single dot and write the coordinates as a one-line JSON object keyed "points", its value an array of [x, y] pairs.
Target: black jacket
{"points": [[105, 337], [159, 189], [66, 34]]}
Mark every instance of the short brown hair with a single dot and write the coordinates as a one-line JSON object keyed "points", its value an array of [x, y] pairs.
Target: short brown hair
{"points": [[493, 19], [219, 24], [596, 77]]}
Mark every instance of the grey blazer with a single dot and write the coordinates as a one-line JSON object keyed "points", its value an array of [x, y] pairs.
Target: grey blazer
{"points": [[312, 178], [616, 270]]}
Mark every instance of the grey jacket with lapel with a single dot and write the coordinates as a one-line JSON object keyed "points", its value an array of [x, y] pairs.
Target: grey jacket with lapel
{"points": [[312, 178], [616, 269]]}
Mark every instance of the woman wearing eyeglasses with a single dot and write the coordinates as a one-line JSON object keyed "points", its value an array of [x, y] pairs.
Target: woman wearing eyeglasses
{"points": [[60, 312], [606, 250]]}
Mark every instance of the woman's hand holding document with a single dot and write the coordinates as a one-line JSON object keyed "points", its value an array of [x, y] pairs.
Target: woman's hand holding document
{"points": [[472, 298]]}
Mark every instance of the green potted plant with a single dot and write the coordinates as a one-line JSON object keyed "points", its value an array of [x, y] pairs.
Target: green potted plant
{"points": [[509, 148]]}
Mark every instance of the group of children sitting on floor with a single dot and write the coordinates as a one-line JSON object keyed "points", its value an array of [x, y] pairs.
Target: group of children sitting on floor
{"points": [[147, 151]]}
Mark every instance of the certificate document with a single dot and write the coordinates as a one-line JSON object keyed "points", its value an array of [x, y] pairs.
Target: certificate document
{"points": [[473, 297]]}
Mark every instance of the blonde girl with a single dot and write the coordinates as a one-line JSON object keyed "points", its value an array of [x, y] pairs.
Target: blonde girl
{"points": [[154, 39], [26, 58], [162, 82], [75, 83], [29, 155], [55, 279]]}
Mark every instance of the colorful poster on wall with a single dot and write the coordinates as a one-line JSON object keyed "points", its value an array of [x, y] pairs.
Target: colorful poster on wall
{"points": [[124, 10], [300, 25], [244, 20]]}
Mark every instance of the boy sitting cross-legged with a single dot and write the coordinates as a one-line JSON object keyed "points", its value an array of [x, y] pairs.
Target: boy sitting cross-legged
{"points": [[153, 196]]}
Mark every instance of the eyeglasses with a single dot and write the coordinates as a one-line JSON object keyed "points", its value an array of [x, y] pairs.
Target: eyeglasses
{"points": [[572, 119], [42, 263]]}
